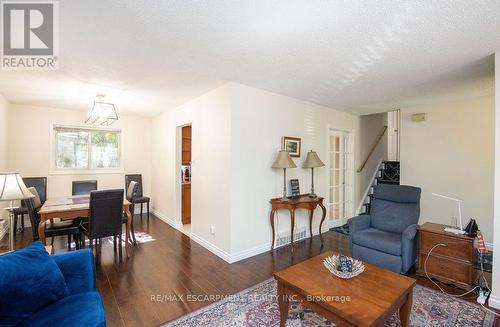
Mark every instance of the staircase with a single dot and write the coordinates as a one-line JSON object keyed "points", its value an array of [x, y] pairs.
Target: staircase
{"points": [[388, 174]]}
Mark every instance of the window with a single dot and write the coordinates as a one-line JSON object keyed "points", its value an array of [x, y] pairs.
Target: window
{"points": [[87, 149]]}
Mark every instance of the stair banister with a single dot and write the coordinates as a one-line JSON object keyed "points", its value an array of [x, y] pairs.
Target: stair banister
{"points": [[379, 138], [367, 191]]}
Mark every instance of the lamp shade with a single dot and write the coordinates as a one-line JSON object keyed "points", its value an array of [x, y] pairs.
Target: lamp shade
{"points": [[312, 160], [284, 160], [12, 187]]}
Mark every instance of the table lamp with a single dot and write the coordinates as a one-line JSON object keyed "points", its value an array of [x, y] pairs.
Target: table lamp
{"points": [[459, 204], [284, 161], [12, 188], [312, 161]]}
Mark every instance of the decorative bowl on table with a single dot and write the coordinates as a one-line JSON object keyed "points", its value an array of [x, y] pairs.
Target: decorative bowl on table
{"points": [[333, 264]]}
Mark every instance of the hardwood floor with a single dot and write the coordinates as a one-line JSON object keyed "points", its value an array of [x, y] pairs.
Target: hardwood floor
{"points": [[137, 291]]}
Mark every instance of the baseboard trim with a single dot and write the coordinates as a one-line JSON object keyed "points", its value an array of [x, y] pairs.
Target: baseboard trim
{"points": [[494, 302], [212, 248], [224, 255], [175, 224], [256, 250]]}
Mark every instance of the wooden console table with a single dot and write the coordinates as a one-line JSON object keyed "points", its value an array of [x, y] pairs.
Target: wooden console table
{"points": [[301, 202]]}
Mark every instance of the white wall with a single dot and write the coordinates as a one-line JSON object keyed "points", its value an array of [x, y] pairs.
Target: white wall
{"points": [[210, 117], [29, 130], [236, 134], [452, 153], [495, 294], [3, 146], [370, 128], [259, 119]]}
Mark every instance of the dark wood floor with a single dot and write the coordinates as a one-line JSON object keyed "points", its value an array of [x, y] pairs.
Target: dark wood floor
{"points": [[173, 265]]}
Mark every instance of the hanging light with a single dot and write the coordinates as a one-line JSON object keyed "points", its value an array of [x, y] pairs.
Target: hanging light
{"points": [[101, 113]]}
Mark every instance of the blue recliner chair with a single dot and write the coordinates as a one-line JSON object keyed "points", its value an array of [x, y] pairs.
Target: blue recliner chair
{"points": [[387, 236]]}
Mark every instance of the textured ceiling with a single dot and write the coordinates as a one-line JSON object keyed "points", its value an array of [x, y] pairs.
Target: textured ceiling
{"points": [[359, 56]]}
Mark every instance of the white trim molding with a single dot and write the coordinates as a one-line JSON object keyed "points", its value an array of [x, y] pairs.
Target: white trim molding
{"points": [[175, 224], [212, 248], [494, 302], [244, 254]]}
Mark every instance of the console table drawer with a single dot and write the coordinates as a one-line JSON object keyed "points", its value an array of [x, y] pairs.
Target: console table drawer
{"points": [[442, 268], [455, 247]]}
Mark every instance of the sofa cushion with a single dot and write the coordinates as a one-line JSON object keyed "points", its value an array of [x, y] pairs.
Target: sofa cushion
{"points": [[29, 281], [378, 240], [82, 309]]}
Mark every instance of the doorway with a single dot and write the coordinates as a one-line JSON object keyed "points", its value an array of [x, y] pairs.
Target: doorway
{"points": [[186, 174], [393, 135], [341, 177]]}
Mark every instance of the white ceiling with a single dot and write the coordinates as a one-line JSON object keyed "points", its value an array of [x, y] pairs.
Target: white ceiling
{"points": [[360, 56]]}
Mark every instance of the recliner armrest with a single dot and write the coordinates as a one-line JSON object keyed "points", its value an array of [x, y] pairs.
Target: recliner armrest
{"points": [[410, 232], [78, 269], [359, 223], [409, 247]]}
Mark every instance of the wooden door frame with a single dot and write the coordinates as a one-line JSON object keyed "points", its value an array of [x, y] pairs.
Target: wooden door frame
{"points": [[178, 176]]}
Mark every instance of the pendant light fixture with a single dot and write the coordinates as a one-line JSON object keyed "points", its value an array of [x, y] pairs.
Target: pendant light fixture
{"points": [[101, 113]]}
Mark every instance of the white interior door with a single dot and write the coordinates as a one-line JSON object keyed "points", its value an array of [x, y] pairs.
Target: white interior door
{"points": [[341, 176]]}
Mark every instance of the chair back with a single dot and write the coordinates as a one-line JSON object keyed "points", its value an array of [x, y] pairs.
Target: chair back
{"points": [[395, 207], [105, 213], [134, 178], [34, 217], [83, 187], [40, 184], [131, 195]]}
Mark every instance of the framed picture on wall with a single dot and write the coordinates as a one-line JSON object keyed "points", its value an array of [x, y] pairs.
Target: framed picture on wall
{"points": [[291, 145]]}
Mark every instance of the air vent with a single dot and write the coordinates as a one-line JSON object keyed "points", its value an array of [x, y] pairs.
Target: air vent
{"points": [[284, 237]]}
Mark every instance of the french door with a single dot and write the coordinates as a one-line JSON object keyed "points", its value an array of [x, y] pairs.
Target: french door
{"points": [[341, 177]]}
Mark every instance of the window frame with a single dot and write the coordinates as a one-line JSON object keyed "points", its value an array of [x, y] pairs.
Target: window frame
{"points": [[83, 171]]}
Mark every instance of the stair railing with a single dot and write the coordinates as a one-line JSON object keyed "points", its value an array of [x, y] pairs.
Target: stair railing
{"points": [[377, 141], [368, 188]]}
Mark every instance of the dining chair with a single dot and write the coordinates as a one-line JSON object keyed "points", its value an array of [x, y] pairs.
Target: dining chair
{"points": [[131, 196], [105, 218], [40, 184], [140, 196], [52, 229], [83, 187]]}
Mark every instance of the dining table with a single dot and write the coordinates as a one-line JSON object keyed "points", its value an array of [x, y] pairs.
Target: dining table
{"points": [[73, 207]]}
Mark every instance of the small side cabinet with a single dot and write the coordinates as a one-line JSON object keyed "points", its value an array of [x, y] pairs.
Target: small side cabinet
{"points": [[452, 263]]}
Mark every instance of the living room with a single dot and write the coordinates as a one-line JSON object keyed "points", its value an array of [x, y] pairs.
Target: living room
{"points": [[276, 95]]}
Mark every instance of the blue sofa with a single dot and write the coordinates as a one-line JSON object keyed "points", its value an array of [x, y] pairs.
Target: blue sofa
{"points": [[69, 301], [387, 236]]}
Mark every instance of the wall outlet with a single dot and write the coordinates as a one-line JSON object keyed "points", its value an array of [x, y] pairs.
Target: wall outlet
{"points": [[212, 230]]}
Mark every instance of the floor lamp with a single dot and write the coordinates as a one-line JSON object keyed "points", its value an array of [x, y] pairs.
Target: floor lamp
{"points": [[12, 188]]}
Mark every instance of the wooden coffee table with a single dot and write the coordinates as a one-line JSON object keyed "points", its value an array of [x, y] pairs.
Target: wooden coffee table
{"points": [[368, 299]]}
